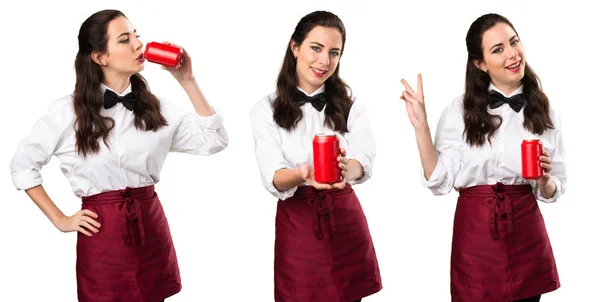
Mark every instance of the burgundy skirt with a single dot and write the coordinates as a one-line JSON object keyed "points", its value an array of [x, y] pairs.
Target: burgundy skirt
{"points": [[323, 248], [500, 248], [131, 258]]}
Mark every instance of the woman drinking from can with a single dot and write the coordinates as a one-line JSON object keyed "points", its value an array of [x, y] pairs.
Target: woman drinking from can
{"points": [[112, 136]]}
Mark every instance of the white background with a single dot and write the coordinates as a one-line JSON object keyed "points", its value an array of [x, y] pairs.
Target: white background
{"points": [[221, 218]]}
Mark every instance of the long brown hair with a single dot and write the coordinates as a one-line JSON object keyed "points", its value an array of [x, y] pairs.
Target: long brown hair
{"points": [[479, 124], [286, 112], [90, 125]]}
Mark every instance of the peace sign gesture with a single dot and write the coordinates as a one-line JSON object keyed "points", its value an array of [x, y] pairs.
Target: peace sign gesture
{"points": [[415, 104]]}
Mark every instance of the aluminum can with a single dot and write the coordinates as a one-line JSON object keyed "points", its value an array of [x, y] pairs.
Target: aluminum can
{"points": [[163, 54], [531, 150], [326, 149]]}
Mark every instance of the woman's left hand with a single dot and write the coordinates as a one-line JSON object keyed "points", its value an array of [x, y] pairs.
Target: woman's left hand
{"points": [[546, 163], [182, 73], [343, 164]]}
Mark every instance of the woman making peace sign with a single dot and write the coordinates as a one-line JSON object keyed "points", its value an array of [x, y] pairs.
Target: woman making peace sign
{"points": [[500, 249]]}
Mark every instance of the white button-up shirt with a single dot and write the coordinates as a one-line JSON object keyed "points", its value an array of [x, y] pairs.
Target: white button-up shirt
{"points": [[460, 165], [134, 159], [276, 148]]}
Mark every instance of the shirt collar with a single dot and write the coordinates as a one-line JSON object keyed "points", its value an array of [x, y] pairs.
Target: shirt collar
{"points": [[517, 91], [104, 87], [319, 90]]}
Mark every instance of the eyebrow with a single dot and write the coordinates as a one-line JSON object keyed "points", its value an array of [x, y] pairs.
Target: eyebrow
{"points": [[324, 46], [500, 44], [127, 34]]}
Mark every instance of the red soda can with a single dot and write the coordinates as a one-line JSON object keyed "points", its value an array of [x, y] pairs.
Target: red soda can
{"points": [[326, 149], [531, 150], [163, 54]]}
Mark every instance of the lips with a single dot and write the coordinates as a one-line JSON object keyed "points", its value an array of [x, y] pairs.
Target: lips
{"points": [[140, 58], [318, 72], [514, 66]]}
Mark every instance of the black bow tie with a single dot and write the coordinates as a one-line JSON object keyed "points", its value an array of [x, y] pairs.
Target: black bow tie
{"points": [[515, 102], [317, 101], [111, 98]]}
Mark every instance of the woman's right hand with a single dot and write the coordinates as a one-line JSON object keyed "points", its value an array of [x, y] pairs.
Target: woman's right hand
{"points": [[82, 221], [307, 174], [415, 104]]}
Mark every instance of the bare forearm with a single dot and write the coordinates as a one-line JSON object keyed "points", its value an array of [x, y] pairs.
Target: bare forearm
{"points": [[42, 200], [354, 170], [549, 190], [285, 179], [201, 105], [427, 151]]}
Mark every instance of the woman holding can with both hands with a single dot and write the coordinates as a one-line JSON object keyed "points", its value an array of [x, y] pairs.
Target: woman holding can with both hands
{"points": [[500, 248], [323, 248]]}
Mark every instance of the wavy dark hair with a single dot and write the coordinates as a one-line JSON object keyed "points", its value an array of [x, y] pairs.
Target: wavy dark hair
{"points": [[286, 112], [90, 125], [479, 124]]}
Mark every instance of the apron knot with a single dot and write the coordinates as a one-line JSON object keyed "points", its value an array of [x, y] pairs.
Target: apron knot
{"points": [[502, 207], [133, 232], [126, 193], [323, 204], [131, 212]]}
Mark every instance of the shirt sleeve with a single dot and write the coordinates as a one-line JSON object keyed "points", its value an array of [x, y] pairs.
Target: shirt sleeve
{"points": [[268, 148], [448, 140], [361, 142], [558, 156], [196, 134], [36, 150]]}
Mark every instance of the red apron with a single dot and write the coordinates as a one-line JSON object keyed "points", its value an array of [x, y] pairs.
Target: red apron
{"points": [[131, 258], [323, 248], [500, 248]]}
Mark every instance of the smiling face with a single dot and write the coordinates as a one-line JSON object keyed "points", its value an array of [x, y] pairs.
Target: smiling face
{"points": [[317, 57], [503, 57], [124, 53]]}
